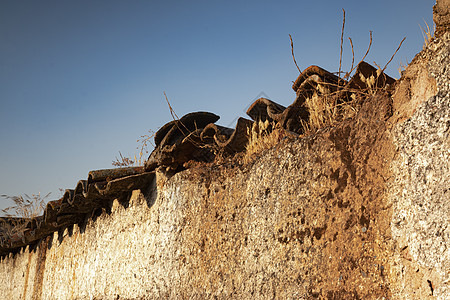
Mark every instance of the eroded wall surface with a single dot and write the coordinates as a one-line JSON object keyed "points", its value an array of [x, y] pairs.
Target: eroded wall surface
{"points": [[306, 219], [356, 211], [300, 221], [420, 189]]}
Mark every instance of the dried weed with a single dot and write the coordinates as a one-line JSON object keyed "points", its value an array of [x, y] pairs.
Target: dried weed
{"points": [[262, 136], [428, 34], [24, 208], [145, 141]]}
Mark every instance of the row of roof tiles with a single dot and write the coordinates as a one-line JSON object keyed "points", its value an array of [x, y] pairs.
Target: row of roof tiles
{"points": [[195, 137]]}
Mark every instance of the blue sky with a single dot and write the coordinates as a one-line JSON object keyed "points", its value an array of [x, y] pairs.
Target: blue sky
{"points": [[82, 80]]}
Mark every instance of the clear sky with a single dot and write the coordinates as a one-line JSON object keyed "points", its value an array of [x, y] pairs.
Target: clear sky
{"points": [[82, 80]]}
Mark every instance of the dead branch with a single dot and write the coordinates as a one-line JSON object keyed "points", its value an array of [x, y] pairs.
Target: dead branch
{"points": [[293, 56]]}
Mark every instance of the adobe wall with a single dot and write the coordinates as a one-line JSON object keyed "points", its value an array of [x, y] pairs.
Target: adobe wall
{"points": [[419, 188], [356, 211]]}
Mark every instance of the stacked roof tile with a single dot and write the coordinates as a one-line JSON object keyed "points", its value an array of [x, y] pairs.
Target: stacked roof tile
{"points": [[194, 137], [89, 195]]}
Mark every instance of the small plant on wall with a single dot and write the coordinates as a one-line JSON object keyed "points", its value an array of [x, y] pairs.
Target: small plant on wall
{"points": [[16, 216], [139, 159]]}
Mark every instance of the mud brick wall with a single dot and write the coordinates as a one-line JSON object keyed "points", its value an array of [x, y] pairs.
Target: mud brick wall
{"points": [[355, 211]]}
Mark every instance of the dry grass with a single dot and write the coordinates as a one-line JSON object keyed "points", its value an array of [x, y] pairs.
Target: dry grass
{"points": [[428, 34], [322, 111], [123, 161], [325, 111], [402, 67], [326, 108], [262, 136], [138, 160], [25, 206], [23, 209], [371, 82]]}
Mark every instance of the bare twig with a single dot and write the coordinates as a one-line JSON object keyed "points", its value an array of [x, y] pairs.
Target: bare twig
{"points": [[176, 118], [123, 161], [342, 42], [353, 58], [172, 112], [370, 45], [293, 56], [398, 48], [376, 65], [367, 52]]}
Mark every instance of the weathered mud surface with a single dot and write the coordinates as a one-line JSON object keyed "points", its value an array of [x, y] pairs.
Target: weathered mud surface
{"points": [[355, 211], [306, 220]]}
